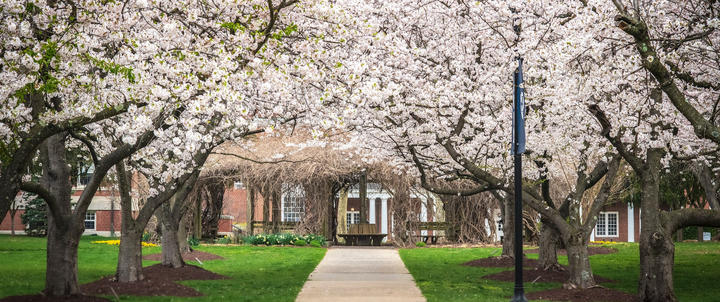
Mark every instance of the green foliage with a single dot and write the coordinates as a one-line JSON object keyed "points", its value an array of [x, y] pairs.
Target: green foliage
{"points": [[300, 242], [192, 241], [281, 239], [223, 240], [420, 244], [112, 68], [146, 237], [35, 217], [315, 243]]}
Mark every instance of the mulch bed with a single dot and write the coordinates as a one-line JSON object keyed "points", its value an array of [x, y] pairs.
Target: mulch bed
{"points": [[203, 256], [538, 275], [159, 281], [42, 298], [595, 294], [592, 250], [500, 261]]}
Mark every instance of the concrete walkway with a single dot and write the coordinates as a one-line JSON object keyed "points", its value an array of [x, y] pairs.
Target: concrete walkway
{"points": [[360, 274]]}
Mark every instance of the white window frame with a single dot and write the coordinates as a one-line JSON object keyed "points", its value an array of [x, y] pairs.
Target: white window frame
{"points": [[298, 194], [238, 185], [94, 220], [352, 217], [604, 231]]}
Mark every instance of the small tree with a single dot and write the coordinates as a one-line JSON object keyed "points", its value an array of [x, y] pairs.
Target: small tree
{"points": [[35, 217]]}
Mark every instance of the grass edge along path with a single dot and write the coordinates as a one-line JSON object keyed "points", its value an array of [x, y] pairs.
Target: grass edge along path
{"points": [[256, 273], [441, 276]]}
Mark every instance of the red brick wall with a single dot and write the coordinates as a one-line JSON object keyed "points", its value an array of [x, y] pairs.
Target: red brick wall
{"points": [[235, 204], [5, 225], [102, 220], [621, 208], [225, 225]]}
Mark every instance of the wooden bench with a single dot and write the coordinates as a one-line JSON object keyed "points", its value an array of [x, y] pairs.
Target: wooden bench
{"points": [[363, 234], [432, 226]]}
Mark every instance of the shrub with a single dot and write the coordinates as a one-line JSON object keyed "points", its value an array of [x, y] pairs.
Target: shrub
{"points": [[192, 241], [300, 242], [314, 237], [420, 244], [35, 218], [315, 243], [146, 237], [223, 240]]}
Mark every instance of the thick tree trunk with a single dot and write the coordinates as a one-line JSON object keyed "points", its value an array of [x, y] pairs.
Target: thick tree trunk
{"points": [[129, 266], [61, 277], [508, 242], [12, 223], [250, 214], [363, 198], [656, 248], [171, 255], [276, 217], [182, 237], [700, 231], [342, 213], [266, 195], [547, 248], [581, 275]]}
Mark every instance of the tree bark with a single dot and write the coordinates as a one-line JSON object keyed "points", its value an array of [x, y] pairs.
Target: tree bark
{"points": [[171, 255], [508, 242], [363, 198], [266, 195], [342, 213], [129, 267], [547, 248], [276, 216], [250, 214], [581, 275], [656, 248]]}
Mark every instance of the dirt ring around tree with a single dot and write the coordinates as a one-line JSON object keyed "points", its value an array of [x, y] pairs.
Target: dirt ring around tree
{"points": [[500, 261], [592, 250], [595, 294], [538, 275], [43, 298], [159, 281], [191, 256]]}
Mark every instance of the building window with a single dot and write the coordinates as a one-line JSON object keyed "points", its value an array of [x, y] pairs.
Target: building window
{"points": [[90, 220], [238, 185], [352, 218], [85, 173], [293, 204], [607, 224]]}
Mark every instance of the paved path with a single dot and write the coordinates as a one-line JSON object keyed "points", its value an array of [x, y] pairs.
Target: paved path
{"points": [[360, 274]]}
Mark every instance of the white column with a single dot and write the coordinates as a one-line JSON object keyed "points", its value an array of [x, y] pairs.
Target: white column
{"points": [[384, 218], [371, 218], [631, 223]]}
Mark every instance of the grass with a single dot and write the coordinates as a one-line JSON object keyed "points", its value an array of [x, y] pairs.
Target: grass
{"points": [[256, 273], [441, 277]]}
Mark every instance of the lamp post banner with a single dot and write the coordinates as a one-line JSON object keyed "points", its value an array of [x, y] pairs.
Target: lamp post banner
{"points": [[518, 139]]}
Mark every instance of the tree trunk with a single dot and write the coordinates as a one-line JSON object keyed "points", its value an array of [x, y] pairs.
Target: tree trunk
{"points": [[508, 243], [700, 234], [171, 255], [129, 266], [276, 216], [581, 275], [250, 214], [12, 223], [547, 248], [363, 198], [342, 213], [182, 236], [656, 248], [266, 195], [61, 278]]}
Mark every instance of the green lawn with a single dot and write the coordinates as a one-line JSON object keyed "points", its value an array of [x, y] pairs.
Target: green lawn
{"points": [[441, 277], [257, 273]]}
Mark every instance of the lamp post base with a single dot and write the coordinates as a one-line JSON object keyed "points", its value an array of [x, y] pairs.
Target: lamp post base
{"points": [[519, 298]]}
